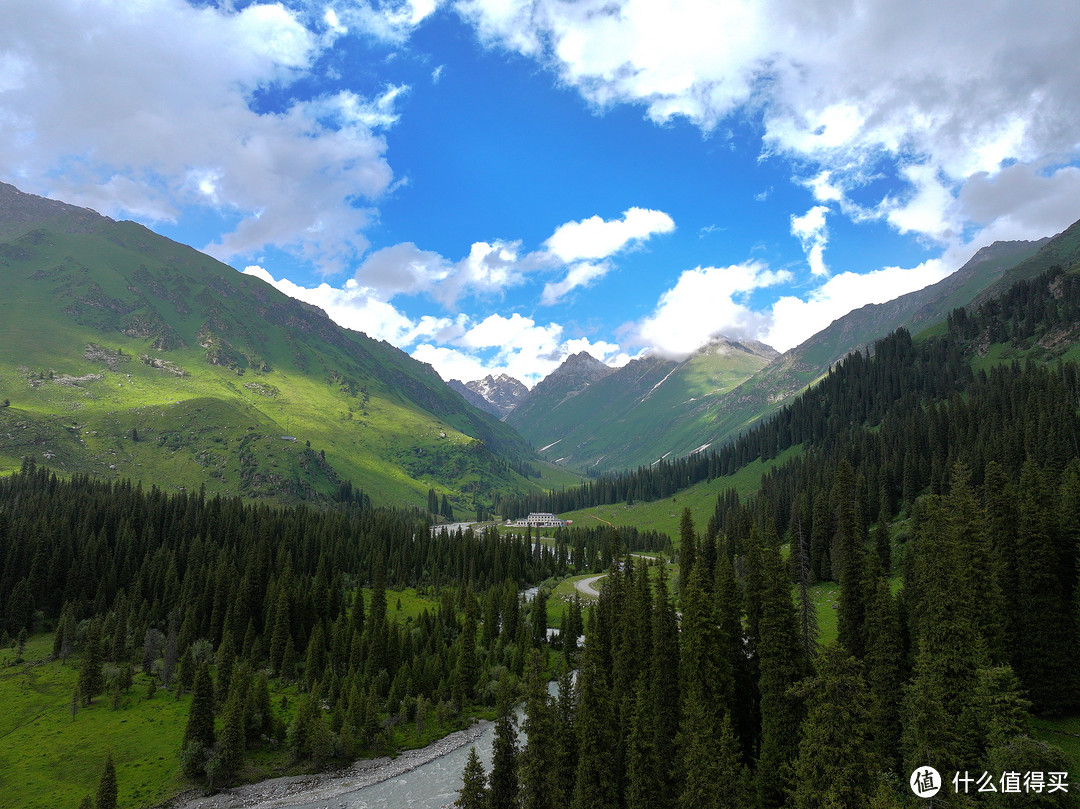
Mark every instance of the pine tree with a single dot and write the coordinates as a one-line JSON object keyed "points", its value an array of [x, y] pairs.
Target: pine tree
{"points": [[836, 764], [91, 680], [594, 785], [503, 791], [687, 548], [107, 789], [537, 762], [199, 732], [782, 663], [473, 793]]}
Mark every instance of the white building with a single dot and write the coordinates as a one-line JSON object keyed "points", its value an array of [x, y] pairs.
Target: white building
{"points": [[541, 519]]}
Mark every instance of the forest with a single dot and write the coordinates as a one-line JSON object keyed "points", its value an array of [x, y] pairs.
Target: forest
{"points": [[944, 502], [938, 494], [222, 603]]}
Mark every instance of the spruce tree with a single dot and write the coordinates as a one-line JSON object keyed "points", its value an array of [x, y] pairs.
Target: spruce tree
{"points": [[503, 791], [687, 549], [107, 789], [782, 663], [594, 784], [91, 680], [473, 793], [643, 781], [199, 732], [537, 762], [836, 763], [851, 546]]}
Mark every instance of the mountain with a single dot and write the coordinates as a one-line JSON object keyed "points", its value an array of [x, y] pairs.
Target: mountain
{"points": [[773, 386], [497, 395], [602, 434], [576, 373], [636, 414], [128, 354]]}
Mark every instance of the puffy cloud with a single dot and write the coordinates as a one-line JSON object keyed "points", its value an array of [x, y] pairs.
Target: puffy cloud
{"points": [[811, 231], [710, 301], [460, 347], [581, 274], [793, 320], [492, 267], [145, 108], [514, 345], [584, 244], [361, 309], [706, 302], [1021, 201], [389, 20], [942, 91], [596, 238]]}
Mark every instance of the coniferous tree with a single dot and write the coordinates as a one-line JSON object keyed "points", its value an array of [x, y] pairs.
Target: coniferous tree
{"points": [[664, 683], [91, 680], [687, 548], [566, 733], [199, 732], [473, 793], [503, 789], [782, 664], [537, 762], [884, 676], [836, 765], [594, 784], [643, 781], [851, 547], [107, 787]]}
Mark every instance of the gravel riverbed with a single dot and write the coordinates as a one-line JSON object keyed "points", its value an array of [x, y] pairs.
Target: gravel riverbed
{"points": [[302, 789]]}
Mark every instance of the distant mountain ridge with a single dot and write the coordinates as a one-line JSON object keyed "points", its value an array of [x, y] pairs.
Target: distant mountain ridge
{"points": [[619, 423], [497, 395], [128, 354], [625, 417]]}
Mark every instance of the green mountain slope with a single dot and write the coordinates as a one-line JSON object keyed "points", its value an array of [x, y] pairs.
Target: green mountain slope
{"points": [[790, 373], [646, 410], [128, 354]]}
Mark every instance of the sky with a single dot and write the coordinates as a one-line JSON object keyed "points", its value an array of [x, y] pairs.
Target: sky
{"points": [[493, 185]]}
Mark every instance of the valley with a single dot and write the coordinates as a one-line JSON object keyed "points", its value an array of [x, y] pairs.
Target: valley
{"points": [[218, 567]]}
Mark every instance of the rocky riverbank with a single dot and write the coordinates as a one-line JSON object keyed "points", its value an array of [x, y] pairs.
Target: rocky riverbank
{"points": [[301, 789]]}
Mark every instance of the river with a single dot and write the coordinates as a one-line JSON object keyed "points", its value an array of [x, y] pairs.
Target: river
{"points": [[416, 779]]}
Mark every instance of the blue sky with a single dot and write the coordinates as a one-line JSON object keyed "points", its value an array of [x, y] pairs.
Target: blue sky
{"points": [[492, 185]]}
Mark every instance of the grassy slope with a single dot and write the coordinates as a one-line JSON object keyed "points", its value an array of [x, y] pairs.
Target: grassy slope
{"points": [[664, 515], [50, 759], [642, 412], [384, 421]]}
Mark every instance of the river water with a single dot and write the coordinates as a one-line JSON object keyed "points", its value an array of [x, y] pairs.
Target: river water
{"points": [[430, 786], [433, 785]]}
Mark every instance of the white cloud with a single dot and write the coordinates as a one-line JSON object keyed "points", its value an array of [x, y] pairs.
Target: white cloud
{"points": [[389, 20], [492, 267], [514, 345], [706, 302], [793, 320], [941, 91], [144, 108], [460, 347], [584, 245], [581, 274], [596, 238], [361, 309], [810, 229]]}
